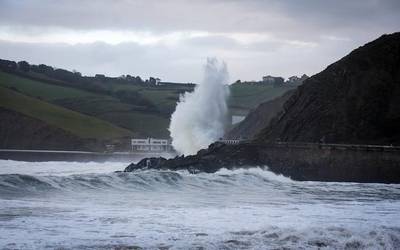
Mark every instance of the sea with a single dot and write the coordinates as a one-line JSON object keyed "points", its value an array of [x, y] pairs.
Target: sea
{"points": [[73, 205]]}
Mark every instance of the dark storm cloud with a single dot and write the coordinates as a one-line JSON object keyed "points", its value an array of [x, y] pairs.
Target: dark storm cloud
{"points": [[286, 17], [113, 60], [255, 37]]}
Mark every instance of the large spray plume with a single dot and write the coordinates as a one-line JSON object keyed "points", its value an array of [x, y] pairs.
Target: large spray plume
{"points": [[199, 118]]}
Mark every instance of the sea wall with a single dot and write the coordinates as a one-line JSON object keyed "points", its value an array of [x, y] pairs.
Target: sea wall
{"points": [[332, 162]]}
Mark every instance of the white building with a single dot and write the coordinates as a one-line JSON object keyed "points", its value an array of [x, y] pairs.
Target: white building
{"points": [[268, 79], [151, 145], [273, 80], [230, 141]]}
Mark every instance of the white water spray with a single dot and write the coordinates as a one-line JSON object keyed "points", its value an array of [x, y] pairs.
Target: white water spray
{"points": [[200, 116]]}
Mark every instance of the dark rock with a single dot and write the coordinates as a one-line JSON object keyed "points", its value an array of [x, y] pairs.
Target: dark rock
{"points": [[217, 156], [355, 100]]}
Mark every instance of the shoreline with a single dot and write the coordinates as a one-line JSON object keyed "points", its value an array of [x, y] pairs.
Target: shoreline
{"points": [[75, 156]]}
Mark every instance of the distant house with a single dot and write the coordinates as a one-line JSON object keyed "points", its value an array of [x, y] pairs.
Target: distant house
{"points": [[151, 145], [295, 80], [158, 80], [273, 80], [100, 76], [304, 77], [230, 141], [268, 79]]}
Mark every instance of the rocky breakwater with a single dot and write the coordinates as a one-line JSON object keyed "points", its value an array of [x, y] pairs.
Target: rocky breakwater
{"points": [[217, 156], [299, 161]]}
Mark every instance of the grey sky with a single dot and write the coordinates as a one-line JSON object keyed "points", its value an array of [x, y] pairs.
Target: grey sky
{"points": [[170, 39]]}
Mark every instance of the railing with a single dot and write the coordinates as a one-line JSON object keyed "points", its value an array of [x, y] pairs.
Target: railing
{"points": [[360, 147], [309, 145]]}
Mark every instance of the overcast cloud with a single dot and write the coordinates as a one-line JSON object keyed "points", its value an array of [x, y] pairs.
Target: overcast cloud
{"points": [[170, 39]]}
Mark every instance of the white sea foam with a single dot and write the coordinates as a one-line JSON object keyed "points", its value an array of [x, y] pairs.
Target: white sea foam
{"points": [[58, 168], [199, 118]]}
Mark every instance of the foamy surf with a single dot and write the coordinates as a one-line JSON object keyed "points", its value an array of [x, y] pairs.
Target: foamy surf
{"points": [[248, 208]]}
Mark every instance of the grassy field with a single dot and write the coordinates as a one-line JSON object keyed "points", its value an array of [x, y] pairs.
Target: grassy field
{"points": [[250, 96], [144, 124], [164, 97], [39, 89], [244, 97], [79, 124], [136, 119], [120, 114], [100, 106]]}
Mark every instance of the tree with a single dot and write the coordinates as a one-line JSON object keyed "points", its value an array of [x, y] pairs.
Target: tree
{"points": [[23, 66], [152, 81], [138, 80], [77, 74], [45, 69], [8, 66]]}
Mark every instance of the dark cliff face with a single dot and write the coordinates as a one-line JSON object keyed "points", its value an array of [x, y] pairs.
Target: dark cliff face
{"points": [[355, 100], [257, 119]]}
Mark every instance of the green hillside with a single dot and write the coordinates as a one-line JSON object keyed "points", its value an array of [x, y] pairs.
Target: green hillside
{"points": [[78, 124], [39, 89], [141, 107], [244, 97], [164, 97], [134, 118]]}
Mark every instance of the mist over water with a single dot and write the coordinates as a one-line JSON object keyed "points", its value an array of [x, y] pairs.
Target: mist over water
{"points": [[200, 116]]}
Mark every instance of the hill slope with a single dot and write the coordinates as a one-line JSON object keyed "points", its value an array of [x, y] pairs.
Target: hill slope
{"points": [[78, 124], [355, 100], [99, 108], [19, 131], [102, 106]]}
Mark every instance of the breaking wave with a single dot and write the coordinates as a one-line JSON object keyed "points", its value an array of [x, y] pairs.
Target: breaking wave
{"points": [[141, 180], [253, 180], [246, 208]]}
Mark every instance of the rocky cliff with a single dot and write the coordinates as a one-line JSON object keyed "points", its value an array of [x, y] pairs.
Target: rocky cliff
{"points": [[355, 100]]}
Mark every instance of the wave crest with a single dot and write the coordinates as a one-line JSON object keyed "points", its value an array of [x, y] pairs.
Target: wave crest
{"points": [[141, 180]]}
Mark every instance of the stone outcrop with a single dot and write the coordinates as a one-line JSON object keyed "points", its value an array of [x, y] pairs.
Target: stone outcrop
{"points": [[210, 160]]}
